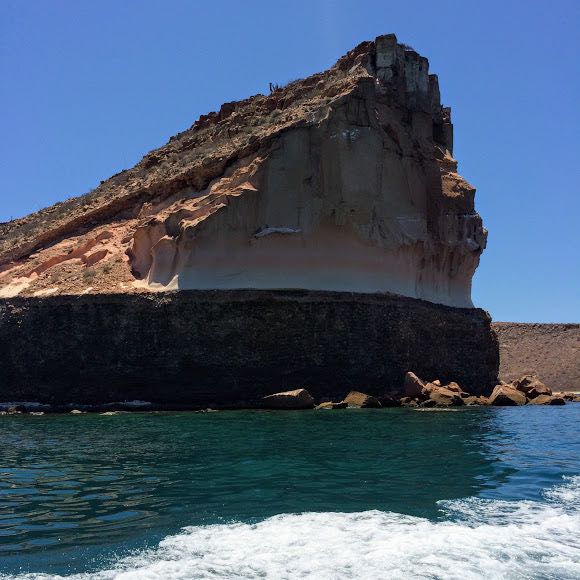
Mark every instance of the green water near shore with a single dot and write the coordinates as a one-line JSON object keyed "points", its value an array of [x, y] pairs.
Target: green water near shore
{"points": [[77, 493]]}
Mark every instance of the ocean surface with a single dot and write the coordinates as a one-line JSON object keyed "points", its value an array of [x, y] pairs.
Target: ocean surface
{"points": [[388, 493]]}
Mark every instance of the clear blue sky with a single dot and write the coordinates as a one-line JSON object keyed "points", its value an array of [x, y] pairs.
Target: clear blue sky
{"points": [[88, 87]]}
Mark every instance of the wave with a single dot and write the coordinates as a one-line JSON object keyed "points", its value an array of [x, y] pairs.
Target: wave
{"points": [[476, 538]]}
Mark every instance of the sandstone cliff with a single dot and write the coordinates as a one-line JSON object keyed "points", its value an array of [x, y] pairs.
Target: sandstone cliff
{"points": [[343, 181]]}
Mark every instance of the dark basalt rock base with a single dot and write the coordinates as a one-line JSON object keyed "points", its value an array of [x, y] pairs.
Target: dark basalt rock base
{"points": [[230, 348]]}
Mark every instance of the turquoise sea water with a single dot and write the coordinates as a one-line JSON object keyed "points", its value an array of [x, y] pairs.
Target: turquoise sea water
{"points": [[391, 493]]}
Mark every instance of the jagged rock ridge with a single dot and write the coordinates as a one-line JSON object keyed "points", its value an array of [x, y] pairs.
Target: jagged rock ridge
{"points": [[342, 181]]}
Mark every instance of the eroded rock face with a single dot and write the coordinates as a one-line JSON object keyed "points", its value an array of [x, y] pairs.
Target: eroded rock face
{"points": [[343, 181]]}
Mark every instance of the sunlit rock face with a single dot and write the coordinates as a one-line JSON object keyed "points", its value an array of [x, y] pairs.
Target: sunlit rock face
{"points": [[343, 181], [364, 197]]}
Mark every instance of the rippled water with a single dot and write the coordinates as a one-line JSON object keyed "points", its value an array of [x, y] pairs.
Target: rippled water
{"points": [[468, 493]]}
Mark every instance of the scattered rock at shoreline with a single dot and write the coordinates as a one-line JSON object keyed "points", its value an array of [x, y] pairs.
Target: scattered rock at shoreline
{"points": [[472, 400], [506, 395], [413, 385], [361, 400], [297, 399], [409, 402], [331, 405], [531, 386], [547, 400], [441, 396], [454, 387], [528, 389], [567, 396]]}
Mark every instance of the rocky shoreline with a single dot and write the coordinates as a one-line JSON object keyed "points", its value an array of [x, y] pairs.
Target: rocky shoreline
{"points": [[228, 349], [527, 390]]}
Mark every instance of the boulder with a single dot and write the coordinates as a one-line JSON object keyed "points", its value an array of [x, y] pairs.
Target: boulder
{"points": [[547, 400], [507, 396], [297, 399], [428, 403], [331, 405], [471, 400], [413, 385], [566, 395], [452, 386], [408, 402], [531, 386], [362, 400], [442, 396]]}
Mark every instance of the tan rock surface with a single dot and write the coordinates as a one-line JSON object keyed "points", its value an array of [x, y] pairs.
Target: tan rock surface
{"points": [[506, 396], [441, 396], [472, 400], [330, 405], [342, 181], [547, 400], [413, 386], [457, 389], [297, 399], [361, 400], [531, 386], [550, 351]]}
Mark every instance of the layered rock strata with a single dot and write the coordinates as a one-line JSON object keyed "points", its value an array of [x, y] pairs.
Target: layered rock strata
{"points": [[342, 181]]}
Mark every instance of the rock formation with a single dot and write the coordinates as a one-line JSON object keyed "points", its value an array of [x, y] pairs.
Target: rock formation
{"points": [[232, 347], [551, 351], [342, 181], [318, 236]]}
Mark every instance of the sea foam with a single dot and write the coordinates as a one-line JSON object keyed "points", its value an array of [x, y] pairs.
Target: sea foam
{"points": [[475, 538]]}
